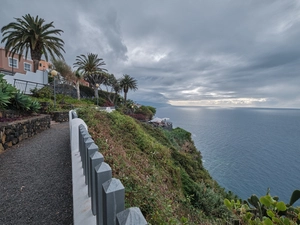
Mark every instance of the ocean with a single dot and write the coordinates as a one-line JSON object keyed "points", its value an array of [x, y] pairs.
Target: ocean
{"points": [[246, 150]]}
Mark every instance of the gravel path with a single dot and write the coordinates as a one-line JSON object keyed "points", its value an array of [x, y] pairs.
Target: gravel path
{"points": [[36, 179]]}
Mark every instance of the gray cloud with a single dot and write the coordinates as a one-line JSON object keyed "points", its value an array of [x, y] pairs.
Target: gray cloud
{"points": [[182, 51]]}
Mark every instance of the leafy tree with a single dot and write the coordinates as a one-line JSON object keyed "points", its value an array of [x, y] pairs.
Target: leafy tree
{"points": [[91, 67], [128, 83], [65, 75], [63, 69], [69, 76], [115, 88], [29, 33]]}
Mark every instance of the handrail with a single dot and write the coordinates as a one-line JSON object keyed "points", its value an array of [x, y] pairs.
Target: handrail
{"points": [[24, 90]]}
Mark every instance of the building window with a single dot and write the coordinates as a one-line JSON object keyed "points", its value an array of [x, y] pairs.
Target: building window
{"points": [[13, 62], [27, 67]]}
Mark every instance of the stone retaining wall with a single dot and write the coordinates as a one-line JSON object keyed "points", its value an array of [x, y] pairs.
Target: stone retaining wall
{"points": [[11, 133], [60, 116]]}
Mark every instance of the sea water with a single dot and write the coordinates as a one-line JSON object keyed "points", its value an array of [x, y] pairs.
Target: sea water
{"points": [[246, 150]]}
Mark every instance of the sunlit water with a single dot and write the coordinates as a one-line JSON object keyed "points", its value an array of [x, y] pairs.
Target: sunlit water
{"points": [[246, 150]]}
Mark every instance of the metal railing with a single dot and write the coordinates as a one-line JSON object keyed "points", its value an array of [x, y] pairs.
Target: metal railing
{"points": [[107, 194], [25, 86]]}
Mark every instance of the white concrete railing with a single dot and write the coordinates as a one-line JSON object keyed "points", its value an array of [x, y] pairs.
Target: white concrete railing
{"points": [[97, 197]]}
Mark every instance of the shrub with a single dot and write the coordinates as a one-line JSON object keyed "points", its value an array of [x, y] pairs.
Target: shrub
{"points": [[45, 92], [265, 210], [145, 110]]}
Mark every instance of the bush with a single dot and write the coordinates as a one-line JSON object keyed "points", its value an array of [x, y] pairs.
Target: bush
{"points": [[45, 92], [265, 210], [145, 110]]}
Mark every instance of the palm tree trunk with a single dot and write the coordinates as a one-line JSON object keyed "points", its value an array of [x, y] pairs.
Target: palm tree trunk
{"points": [[36, 55], [35, 65], [78, 90], [125, 97]]}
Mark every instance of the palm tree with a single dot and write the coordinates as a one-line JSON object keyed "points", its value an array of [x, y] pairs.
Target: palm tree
{"points": [[126, 83], [30, 33], [91, 67], [78, 76]]}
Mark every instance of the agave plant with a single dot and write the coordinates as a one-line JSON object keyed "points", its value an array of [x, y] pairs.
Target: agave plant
{"points": [[4, 99], [7, 91], [21, 102], [34, 106]]}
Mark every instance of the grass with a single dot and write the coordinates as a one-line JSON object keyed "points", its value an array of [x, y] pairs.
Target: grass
{"points": [[161, 170]]}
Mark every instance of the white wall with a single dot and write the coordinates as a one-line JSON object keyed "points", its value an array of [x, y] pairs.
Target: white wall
{"points": [[40, 77]]}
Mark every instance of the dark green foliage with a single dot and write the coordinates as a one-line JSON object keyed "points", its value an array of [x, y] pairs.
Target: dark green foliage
{"points": [[145, 110], [34, 106], [45, 92], [88, 92], [179, 136], [11, 98], [20, 102], [31, 34], [203, 197], [295, 197], [152, 109], [128, 83], [158, 134], [7, 91], [265, 210]]}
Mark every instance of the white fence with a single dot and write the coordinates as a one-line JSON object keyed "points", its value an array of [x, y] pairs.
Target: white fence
{"points": [[97, 197]]}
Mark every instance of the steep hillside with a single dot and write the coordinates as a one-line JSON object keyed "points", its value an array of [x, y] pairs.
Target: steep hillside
{"points": [[161, 170]]}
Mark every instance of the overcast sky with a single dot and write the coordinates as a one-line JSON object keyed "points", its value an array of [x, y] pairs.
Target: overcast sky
{"points": [[191, 52]]}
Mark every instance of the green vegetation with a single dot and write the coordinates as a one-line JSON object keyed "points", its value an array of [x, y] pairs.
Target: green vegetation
{"points": [[90, 66], [64, 102], [265, 210], [161, 170], [128, 83], [11, 98], [29, 33]]}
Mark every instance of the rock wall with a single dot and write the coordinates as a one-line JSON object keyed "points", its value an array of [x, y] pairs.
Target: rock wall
{"points": [[60, 116], [11, 133]]}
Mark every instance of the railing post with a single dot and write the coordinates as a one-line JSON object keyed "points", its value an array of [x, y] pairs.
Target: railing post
{"points": [[102, 174], [96, 159], [131, 216], [83, 136], [25, 87], [89, 152], [82, 132], [113, 200], [87, 144]]}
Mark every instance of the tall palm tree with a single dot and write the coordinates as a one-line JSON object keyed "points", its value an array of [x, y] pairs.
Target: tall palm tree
{"points": [[126, 83], [30, 33], [91, 67]]}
